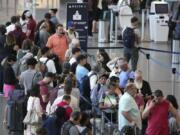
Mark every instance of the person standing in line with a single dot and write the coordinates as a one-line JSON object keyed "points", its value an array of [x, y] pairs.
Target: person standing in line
{"points": [[58, 43], [129, 114], [142, 85], [9, 76], [173, 125], [69, 127], [54, 122], [31, 26], [65, 104], [33, 103], [81, 70], [30, 77], [54, 19], [157, 111], [45, 52]]}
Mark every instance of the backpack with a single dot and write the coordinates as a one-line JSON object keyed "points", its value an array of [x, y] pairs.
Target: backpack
{"points": [[56, 62], [128, 130], [17, 103], [22, 63], [37, 39], [85, 91], [66, 127], [128, 37], [43, 67]]}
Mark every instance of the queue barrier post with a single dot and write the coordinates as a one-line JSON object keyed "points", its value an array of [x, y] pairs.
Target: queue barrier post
{"points": [[173, 80], [148, 66], [143, 22]]}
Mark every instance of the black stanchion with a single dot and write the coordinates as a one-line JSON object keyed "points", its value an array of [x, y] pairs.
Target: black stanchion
{"points": [[173, 79], [148, 66]]}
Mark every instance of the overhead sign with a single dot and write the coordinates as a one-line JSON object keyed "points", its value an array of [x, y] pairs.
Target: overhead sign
{"points": [[78, 13]]}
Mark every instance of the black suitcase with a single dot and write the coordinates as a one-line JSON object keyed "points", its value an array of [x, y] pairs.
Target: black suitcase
{"points": [[17, 103]]}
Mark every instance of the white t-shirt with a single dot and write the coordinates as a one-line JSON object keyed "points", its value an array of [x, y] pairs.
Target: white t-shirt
{"points": [[123, 2], [72, 60], [50, 64], [93, 79], [10, 28]]}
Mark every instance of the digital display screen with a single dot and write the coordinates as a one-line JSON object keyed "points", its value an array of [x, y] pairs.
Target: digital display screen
{"points": [[161, 8]]}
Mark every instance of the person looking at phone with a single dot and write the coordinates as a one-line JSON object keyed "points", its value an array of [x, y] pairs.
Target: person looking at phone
{"points": [[58, 42], [157, 112]]}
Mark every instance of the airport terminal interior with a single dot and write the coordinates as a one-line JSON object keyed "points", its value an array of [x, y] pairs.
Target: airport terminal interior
{"points": [[159, 56]]}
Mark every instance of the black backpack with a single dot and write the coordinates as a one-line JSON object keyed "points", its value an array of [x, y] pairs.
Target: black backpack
{"points": [[128, 130], [37, 38], [128, 37], [85, 91]]}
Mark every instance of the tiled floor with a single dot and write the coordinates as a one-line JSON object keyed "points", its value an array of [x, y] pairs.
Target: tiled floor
{"points": [[160, 77]]}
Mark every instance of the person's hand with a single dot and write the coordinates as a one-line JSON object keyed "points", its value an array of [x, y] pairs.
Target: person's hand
{"points": [[152, 104], [133, 123]]}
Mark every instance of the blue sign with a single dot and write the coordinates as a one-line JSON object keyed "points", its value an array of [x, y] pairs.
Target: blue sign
{"points": [[78, 13]]}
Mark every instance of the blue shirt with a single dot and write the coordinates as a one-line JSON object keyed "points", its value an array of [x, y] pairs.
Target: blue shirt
{"points": [[97, 93], [123, 77], [54, 20], [81, 71]]}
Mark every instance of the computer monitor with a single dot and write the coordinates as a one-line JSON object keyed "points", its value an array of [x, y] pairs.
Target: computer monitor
{"points": [[161, 8]]}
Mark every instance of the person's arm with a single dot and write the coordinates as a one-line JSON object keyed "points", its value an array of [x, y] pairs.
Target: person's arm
{"points": [[147, 110], [49, 43], [111, 63], [67, 38], [28, 33], [127, 116], [174, 113], [21, 80]]}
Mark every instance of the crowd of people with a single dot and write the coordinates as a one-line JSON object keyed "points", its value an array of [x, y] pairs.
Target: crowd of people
{"points": [[63, 91]]}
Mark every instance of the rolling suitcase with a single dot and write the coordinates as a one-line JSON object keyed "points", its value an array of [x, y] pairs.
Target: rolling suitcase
{"points": [[16, 112]]}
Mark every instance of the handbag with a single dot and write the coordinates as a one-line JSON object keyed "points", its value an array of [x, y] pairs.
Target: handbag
{"points": [[32, 117]]}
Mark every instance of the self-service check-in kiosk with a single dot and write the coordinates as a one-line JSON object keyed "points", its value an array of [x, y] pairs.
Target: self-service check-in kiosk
{"points": [[159, 21]]}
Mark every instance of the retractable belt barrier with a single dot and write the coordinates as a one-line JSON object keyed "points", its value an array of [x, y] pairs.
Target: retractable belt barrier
{"points": [[99, 110], [173, 67]]}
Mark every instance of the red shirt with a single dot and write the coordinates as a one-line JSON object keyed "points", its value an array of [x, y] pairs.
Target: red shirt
{"points": [[158, 119], [31, 26], [44, 89], [68, 109], [139, 100]]}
